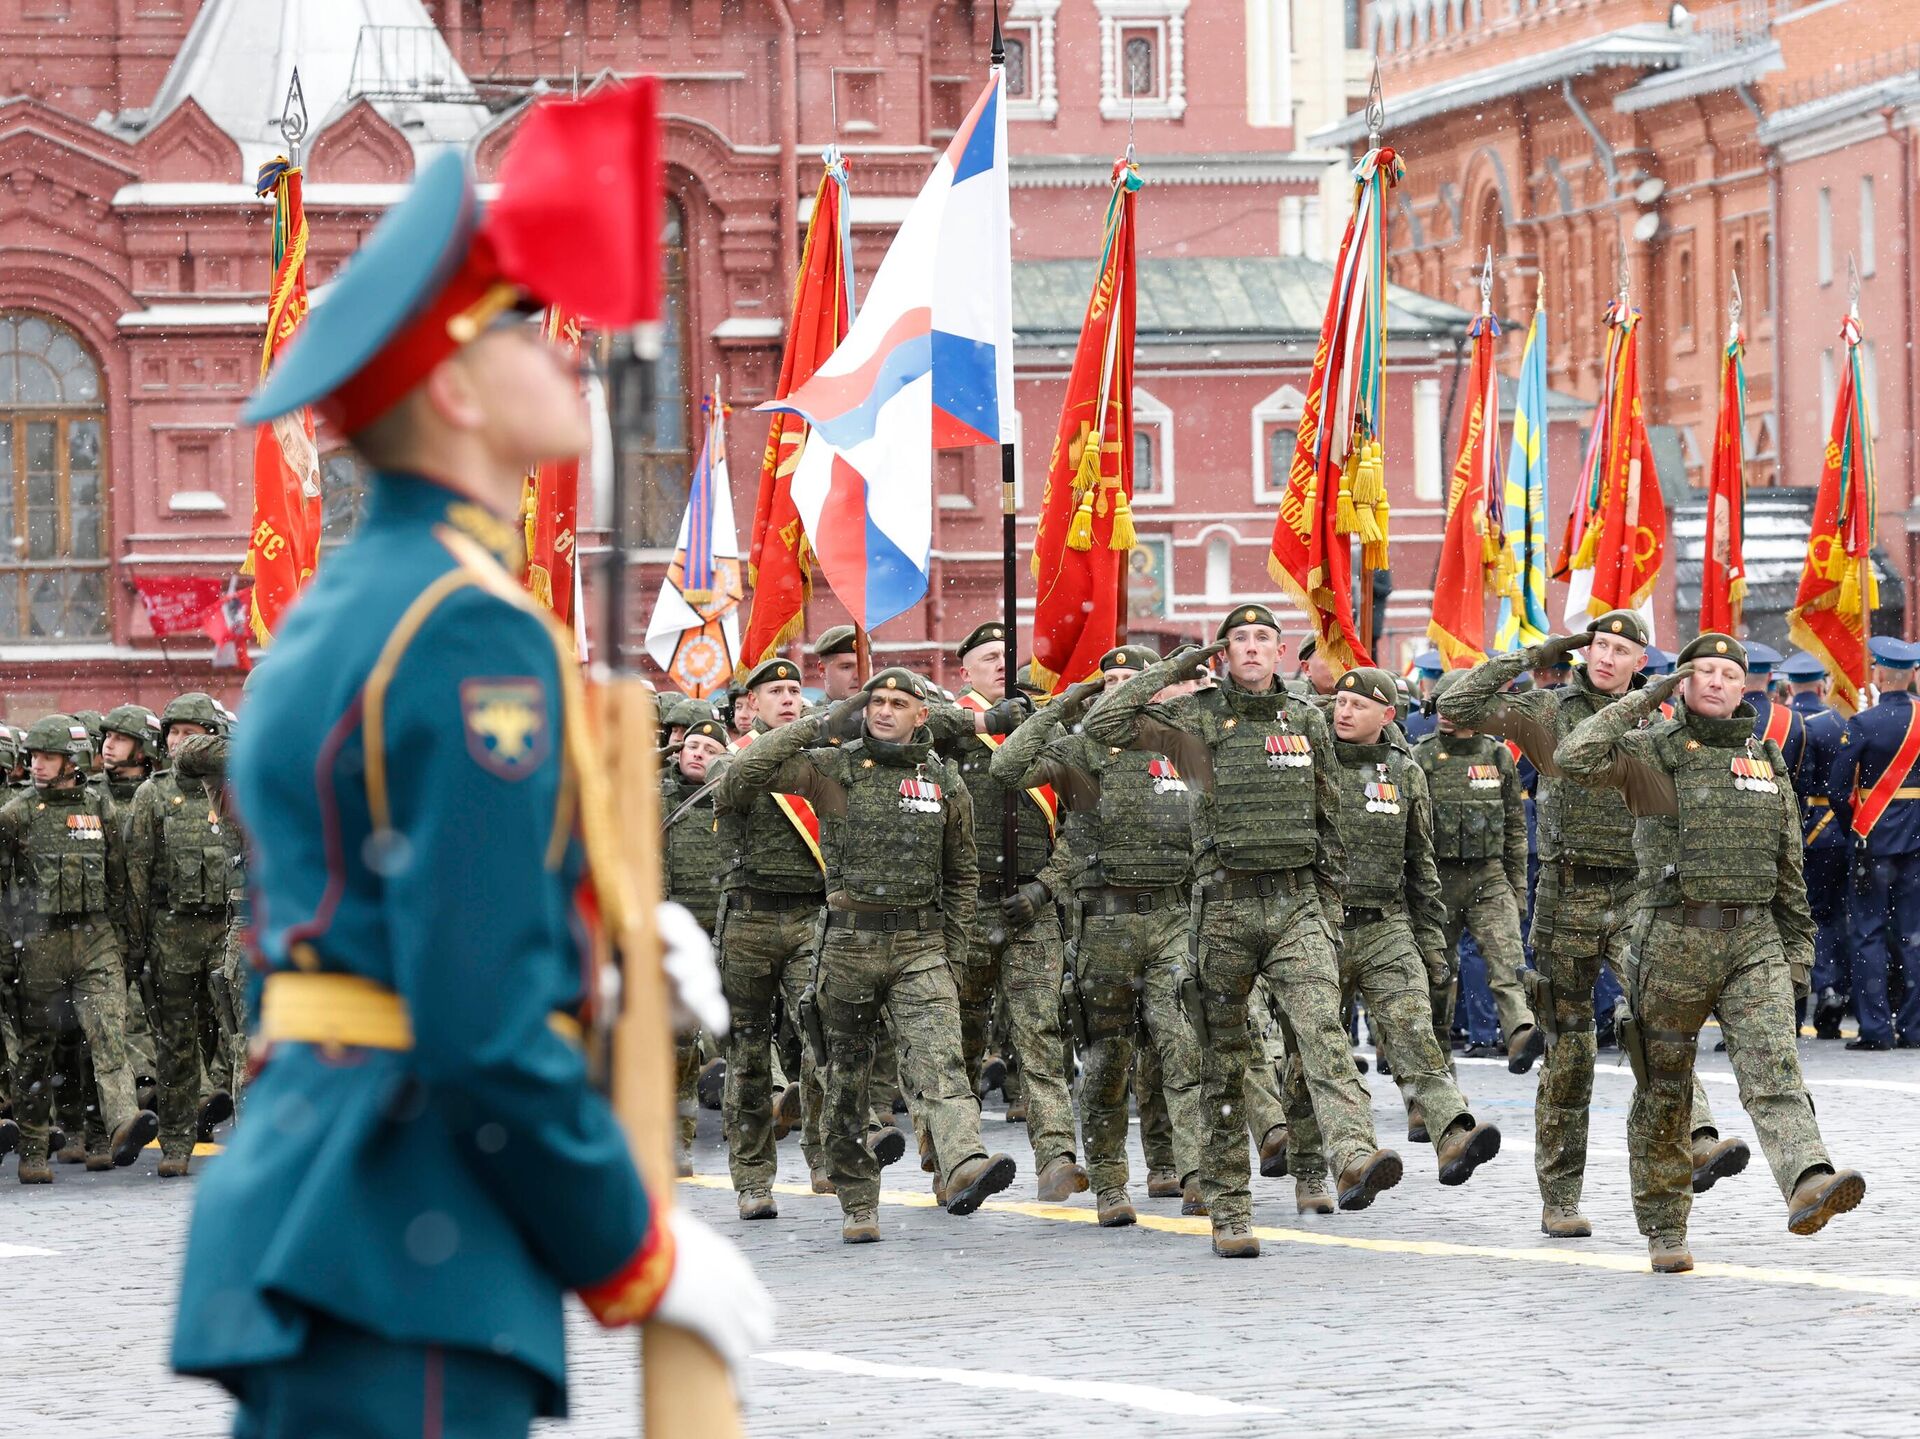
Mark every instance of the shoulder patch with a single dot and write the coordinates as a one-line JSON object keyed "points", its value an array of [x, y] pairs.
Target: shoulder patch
{"points": [[506, 724]]}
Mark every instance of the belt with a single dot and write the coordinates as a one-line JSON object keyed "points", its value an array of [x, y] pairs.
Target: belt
{"points": [[1116, 899], [1353, 917], [1712, 916], [914, 921], [751, 900], [1258, 886], [993, 888], [350, 1011], [1907, 792], [1594, 873]]}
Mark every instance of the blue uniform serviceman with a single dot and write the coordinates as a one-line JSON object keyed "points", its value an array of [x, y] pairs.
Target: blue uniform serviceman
{"points": [[1875, 768], [384, 1248], [1825, 818]]}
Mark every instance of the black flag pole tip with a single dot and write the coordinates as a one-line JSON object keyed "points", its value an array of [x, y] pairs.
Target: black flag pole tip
{"points": [[998, 54]]}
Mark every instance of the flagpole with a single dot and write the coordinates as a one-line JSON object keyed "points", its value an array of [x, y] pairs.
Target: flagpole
{"points": [[1866, 557], [1739, 606], [1009, 606], [1376, 122]]}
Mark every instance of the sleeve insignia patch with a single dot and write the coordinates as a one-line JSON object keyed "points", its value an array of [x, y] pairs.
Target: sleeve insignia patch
{"points": [[506, 725]]}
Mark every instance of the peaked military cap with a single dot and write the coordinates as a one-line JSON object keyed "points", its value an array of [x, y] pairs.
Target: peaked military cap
{"points": [[767, 671], [1129, 657], [1370, 683], [1247, 615], [1431, 663], [1714, 646], [1893, 654], [983, 634], [836, 641], [1762, 659], [711, 729], [1628, 624], [1657, 662], [897, 677], [1803, 668]]}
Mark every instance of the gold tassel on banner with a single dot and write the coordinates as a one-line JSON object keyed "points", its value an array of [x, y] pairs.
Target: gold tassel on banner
{"points": [[1373, 553], [1122, 537], [1344, 520], [1589, 547], [1849, 586], [1839, 565], [1080, 532]]}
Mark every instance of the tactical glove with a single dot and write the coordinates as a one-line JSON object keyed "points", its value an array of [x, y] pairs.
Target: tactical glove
{"points": [[1439, 969], [1005, 717], [1025, 904], [1189, 666], [1555, 651], [1667, 684], [1078, 699]]}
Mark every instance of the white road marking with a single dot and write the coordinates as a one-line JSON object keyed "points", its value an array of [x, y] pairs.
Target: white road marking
{"points": [[1714, 1076], [1134, 1396], [25, 1251]]}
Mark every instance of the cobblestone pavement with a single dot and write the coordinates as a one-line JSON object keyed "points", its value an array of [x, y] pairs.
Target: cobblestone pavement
{"points": [[1436, 1311]]}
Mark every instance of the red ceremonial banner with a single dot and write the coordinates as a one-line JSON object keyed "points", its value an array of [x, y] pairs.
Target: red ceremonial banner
{"points": [[178, 604], [550, 505], [1475, 537], [1723, 572]]}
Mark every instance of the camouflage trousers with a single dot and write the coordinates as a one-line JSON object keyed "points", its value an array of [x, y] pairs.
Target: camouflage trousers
{"points": [[1380, 964], [1150, 1100], [686, 1094], [194, 1015], [1678, 977], [1130, 967], [1481, 901], [1027, 968], [1284, 938], [899, 978], [766, 962], [1268, 1047], [1579, 924], [71, 974]]}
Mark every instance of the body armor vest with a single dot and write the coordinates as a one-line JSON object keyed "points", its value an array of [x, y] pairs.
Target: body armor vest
{"points": [[1469, 796], [889, 848], [973, 756], [1262, 811], [1140, 834], [66, 859], [1585, 826], [693, 851], [195, 875], [1374, 809], [1723, 845]]}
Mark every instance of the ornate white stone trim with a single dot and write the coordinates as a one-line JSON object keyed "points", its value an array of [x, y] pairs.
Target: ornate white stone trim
{"points": [[1169, 18], [1037, 17]]}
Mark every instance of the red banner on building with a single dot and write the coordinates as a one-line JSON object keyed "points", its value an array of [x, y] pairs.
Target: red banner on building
{"points": [[178, 604]]}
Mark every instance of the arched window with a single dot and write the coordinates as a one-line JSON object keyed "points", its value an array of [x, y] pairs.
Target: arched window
{"points": [[1017, 82], [53, 517], [659, 490], [1686, 289], [1140, 77]]}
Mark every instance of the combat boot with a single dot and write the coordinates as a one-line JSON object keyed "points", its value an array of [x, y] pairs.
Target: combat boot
{"points": [[10, 1141], [1564, 1221], [993, 1075], [1192, 1201], [1715, 1159], [132, 1136], [683, 1164], [1017, 1112], [1273, 1153], [1061, 1180], [939, 1191], [1416, 1123], [99, 1161], [758, 1204], [786, 1112], [217, 1110], [711, 1083], [1525, 1047], [887, 1145], [146, 1093], [860, 1226], [1310, 1194], [1116, 1210], [1234, 1239], [823, 1182], [981, 1176], [74, 1151], [1367, 1177], [1462, 1150], [1821, 1194], [929, 1161], [56, 1139], [34, 1169], [1161, 1183], [1669, 1253], [174, 1166]]}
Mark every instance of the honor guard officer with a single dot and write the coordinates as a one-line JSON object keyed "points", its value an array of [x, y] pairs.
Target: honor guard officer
{"points": [[1583, 902], [839, 662], [1875, 769], [1721, 929], [1270, 868], [1825, 818], [385, 1248], [897, 834], [1773, 720]]}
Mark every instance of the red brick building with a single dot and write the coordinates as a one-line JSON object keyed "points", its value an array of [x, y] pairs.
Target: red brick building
{"points": [[134, 263]]}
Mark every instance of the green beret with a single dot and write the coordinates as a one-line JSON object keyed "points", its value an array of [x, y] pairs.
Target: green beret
{"points": [[1374, 684], [1129, 657], [897, 677], [767, 671], [1247, 615], [983, 634], [836, 641], [1308, 646], [1714, 646], [1628, 624], [711, 728]]}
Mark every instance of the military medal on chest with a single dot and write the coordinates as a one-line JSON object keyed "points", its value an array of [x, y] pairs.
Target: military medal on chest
{"points": [[1289, 750], [1383, 795], [1750, 772], [1166, 779], [919, 795], [1483, 776], [86, 826]]}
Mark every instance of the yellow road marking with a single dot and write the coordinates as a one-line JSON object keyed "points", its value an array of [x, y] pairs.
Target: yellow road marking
{"points": [[200, 1151], [1425, 1248]]}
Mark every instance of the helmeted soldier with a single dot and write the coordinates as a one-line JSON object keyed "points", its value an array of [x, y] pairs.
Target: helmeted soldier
{"points": [[1583, 900], [1126, 825], [131, 749], [61, 842], [1393, 945], [691, 865], [1825, 820], [1480, 845], [1270, 867], [897, 838], [1722, 928]]}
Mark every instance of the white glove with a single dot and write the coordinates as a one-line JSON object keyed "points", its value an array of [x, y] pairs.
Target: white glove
{"points": [[687, 957], [714, 1294]]}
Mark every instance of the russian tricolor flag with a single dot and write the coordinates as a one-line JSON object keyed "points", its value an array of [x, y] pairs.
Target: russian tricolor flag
{"points": [[927, 365]]}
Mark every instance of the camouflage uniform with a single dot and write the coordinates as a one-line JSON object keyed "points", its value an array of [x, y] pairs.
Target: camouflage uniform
{"points": [[142, 725], [1480, 844], [1722, 929], [896, 833], [1127, 824], [1271, 865], [1583, 901], [692, 866], [1023, 968], [181, 856]]}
